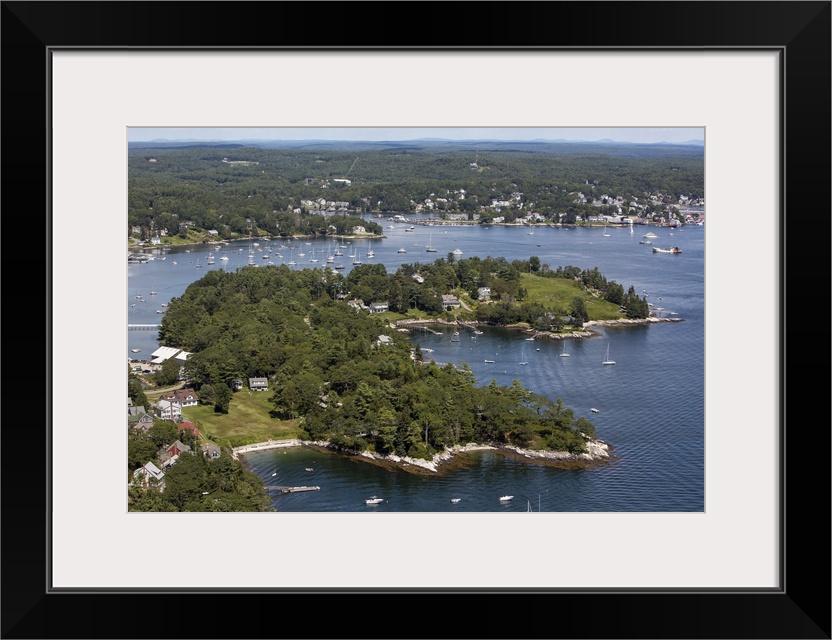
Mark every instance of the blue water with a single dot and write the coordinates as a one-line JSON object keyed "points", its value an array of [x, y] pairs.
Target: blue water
{"points": [[651, 402]]}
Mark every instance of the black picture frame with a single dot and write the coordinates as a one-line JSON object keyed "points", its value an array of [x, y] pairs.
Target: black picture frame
{"points": [[800, 608]]}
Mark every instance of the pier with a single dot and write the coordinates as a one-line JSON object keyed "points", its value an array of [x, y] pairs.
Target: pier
{"points": [[145, 327], [291, 489]]}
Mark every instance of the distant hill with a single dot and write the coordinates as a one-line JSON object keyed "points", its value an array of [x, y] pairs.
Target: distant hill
{"points": [[692, 148]]}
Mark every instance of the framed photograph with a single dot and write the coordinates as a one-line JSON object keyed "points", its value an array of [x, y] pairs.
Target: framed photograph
{"points": [[754, 76]]}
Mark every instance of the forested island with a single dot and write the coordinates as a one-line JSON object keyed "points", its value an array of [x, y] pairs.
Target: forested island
{"points": [[314, 190], [359, 383]]}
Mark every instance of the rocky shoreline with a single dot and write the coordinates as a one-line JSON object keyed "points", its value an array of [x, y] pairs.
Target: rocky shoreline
{"points": [[548, 335], [451, 458]]}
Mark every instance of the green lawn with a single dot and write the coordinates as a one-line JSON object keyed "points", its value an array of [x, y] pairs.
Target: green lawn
{"points": [[559, 293], [248, 421]]}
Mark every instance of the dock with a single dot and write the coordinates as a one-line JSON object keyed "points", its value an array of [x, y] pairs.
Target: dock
{"points": [[291, 489]]}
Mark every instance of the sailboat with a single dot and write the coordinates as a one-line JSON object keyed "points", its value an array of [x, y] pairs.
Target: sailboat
{"points": [[523, 357], [563, 353], [631, 228], [607, 357], [430, 248], [606, 233]]}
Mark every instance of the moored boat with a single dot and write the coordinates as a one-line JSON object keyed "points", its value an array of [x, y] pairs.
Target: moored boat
{"points": [[668, 250]]}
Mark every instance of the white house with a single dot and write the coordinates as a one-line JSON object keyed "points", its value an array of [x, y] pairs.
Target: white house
{"points": [[150, 472], [168, 410]]}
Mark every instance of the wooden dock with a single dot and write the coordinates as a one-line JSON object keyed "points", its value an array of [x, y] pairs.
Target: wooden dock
{"points": [[283, 489]]}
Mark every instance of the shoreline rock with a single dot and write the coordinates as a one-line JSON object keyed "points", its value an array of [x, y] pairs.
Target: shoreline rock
{"points": [[451, 458]]}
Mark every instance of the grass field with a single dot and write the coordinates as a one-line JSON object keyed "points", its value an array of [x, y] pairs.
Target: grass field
{"points": [[559, 293], [248, 420]]}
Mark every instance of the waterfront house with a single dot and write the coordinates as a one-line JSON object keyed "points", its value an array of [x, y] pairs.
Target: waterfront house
{"points": [[378, 307], [386, 340], [484, 293], [450, 302], [211, 450], [357, 304], [171, 453], [258, 384], [150, 475]]}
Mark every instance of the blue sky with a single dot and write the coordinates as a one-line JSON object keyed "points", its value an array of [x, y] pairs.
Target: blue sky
{"points": [[619, 134]]}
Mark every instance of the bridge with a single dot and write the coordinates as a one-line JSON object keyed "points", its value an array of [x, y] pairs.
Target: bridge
{"points": [[143, 327]]}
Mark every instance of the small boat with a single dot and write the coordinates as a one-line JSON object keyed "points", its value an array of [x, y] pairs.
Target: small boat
{"points": [[455, 337], [373, 500], [477, 332], [650, 234], [274, 474], [339, 266], [409, 229], [309, 469], [563, 353], [402, 250], [153, 293], [489, 362], [668, 250], [455, 500], [607, 357], [644, 242], [457, 252], [505, 498], [133, 305], [164, 304], [173, 262], [135, 350], [430, 248], [594, 410]]}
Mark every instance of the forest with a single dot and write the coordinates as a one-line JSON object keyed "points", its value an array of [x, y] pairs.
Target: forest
{"points": [[327, 364], [240, 191]]}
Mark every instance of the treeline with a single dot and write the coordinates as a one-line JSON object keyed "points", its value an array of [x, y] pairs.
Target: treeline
{"points": [[327, 364], [170, 186]]}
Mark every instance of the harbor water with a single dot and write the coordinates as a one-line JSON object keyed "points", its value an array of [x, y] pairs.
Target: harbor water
{"points": [[649, 407]]}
